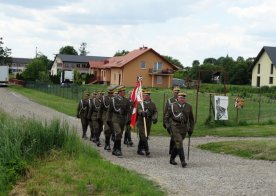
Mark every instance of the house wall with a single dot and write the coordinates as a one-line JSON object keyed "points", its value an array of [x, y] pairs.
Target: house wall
{"points": [[133, 69], [265, 68], [116, 76], [54, 68]]}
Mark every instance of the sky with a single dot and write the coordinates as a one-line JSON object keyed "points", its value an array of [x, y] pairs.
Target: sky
{"points": [[186, 30]]}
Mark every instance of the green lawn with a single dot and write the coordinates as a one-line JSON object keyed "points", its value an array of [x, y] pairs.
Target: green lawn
{"points": [[265, 150]]}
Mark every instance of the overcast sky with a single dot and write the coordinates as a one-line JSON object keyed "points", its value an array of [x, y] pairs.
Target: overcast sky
{"points": [[184, 29]]}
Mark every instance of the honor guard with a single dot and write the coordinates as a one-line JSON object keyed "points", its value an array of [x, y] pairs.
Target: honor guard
{"points": [[118, 111], [179, 120], [82, 112], [146, 110], [169, 102]]}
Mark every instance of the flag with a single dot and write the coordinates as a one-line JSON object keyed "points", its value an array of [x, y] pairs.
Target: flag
{"points": [[136, 97]]}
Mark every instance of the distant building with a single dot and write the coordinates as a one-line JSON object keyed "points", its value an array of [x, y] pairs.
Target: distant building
{"points": [[264, 68], [19, 64], [123, 70], [69, 62]]}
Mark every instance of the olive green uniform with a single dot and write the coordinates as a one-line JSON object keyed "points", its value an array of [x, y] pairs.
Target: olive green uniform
{"points": [[180, 120], [117, 112], [82, 112], [150, 114]]}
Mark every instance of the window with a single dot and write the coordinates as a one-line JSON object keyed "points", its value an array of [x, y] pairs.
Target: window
{"points": [[258, 81], [143, 65], [157, 66], [270, 80], [159, 80], [271, 69], [259, 67]]}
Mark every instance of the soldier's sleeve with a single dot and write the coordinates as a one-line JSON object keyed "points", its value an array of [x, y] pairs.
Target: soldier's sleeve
{"points": [[165, 111], [78, 110], [90, 110], [155, 114], [167, 117]]}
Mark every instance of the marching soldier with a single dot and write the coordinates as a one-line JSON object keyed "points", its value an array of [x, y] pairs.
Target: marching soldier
{"points": [[92, 131], [127, 137], [179, 119], [170, 101], [82, 112], [150, 115], [118, 111], [95, 105], [108, 126]]}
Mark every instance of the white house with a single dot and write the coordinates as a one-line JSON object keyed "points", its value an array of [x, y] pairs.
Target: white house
{"points": [[264, 68]]}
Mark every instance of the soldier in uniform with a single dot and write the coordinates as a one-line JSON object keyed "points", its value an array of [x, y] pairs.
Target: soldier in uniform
{"points": [[95, 105], [82, 112], [150, 115], [170, 101], [92, 131], [127, 137], [179, 119], [108, 126], [118, 111]]}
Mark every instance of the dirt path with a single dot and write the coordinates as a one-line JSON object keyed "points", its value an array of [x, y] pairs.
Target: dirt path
{"points": [[207, 173]]}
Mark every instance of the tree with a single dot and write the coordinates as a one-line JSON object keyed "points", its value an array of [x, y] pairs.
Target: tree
{"points": [[121, 53], [45, 60], [68, 50], [37, 70], [174, 61], [4, 54], [195, 63], [82, 49]]}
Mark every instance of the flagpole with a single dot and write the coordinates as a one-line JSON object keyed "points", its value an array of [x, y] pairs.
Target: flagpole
{"points": [[143, 108]]}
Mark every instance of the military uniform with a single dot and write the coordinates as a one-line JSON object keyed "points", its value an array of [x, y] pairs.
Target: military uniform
{"points": [[93, 115], [117, 112], [127, 137], [150, 115], [108, 126], [169, 102], [82, 112], [180, 120]]}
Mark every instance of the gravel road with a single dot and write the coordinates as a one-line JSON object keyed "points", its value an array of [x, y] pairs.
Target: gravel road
{"points": [[206, 174]]}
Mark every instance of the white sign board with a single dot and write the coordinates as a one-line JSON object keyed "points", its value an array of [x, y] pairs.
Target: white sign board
{"points": [[221, 105]]}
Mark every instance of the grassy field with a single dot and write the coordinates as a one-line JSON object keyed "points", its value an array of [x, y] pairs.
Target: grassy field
{"points": [[50, 160], [248, 126], [264, 150]]}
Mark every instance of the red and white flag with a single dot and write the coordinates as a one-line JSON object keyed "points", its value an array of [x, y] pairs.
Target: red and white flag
{"points": [[136, 97]]}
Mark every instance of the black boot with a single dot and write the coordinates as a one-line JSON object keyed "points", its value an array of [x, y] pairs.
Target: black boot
{"points": [[182, 157], [126, 138], [146, 148], [173, 155], [139, 151], [115, 147], [107, 143], [129, 139], [118, 152]]}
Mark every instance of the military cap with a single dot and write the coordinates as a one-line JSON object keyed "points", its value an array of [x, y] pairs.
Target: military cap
{"points": [[86, 93], [100, 92], [182, 94], [146, 92], [120, 88], [94, 93], [176, 89], [111, 88], [115, 92]]}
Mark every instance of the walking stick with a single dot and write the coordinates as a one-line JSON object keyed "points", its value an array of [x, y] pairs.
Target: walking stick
{"points": [[189, 143]]}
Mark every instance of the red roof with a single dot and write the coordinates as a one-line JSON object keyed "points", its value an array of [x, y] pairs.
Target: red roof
{"points": [[120, 61]]}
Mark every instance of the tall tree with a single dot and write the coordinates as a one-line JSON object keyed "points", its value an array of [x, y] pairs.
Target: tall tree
{"points": [[174, 61], [195, 63], [121, 53], [4, 53], [68, 50], [36, 70], [82, 49]]}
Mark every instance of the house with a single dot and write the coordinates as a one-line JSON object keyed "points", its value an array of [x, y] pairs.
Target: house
{"points": [[264, 68], [69, 62], [19, 64], [123, 70]]}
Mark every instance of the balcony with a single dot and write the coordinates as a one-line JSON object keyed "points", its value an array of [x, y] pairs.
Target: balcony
{"points": [[161, 71]]}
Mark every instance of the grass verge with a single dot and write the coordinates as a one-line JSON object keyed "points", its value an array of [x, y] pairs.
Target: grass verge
{"points": [[50, 160], [264, 150]]}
